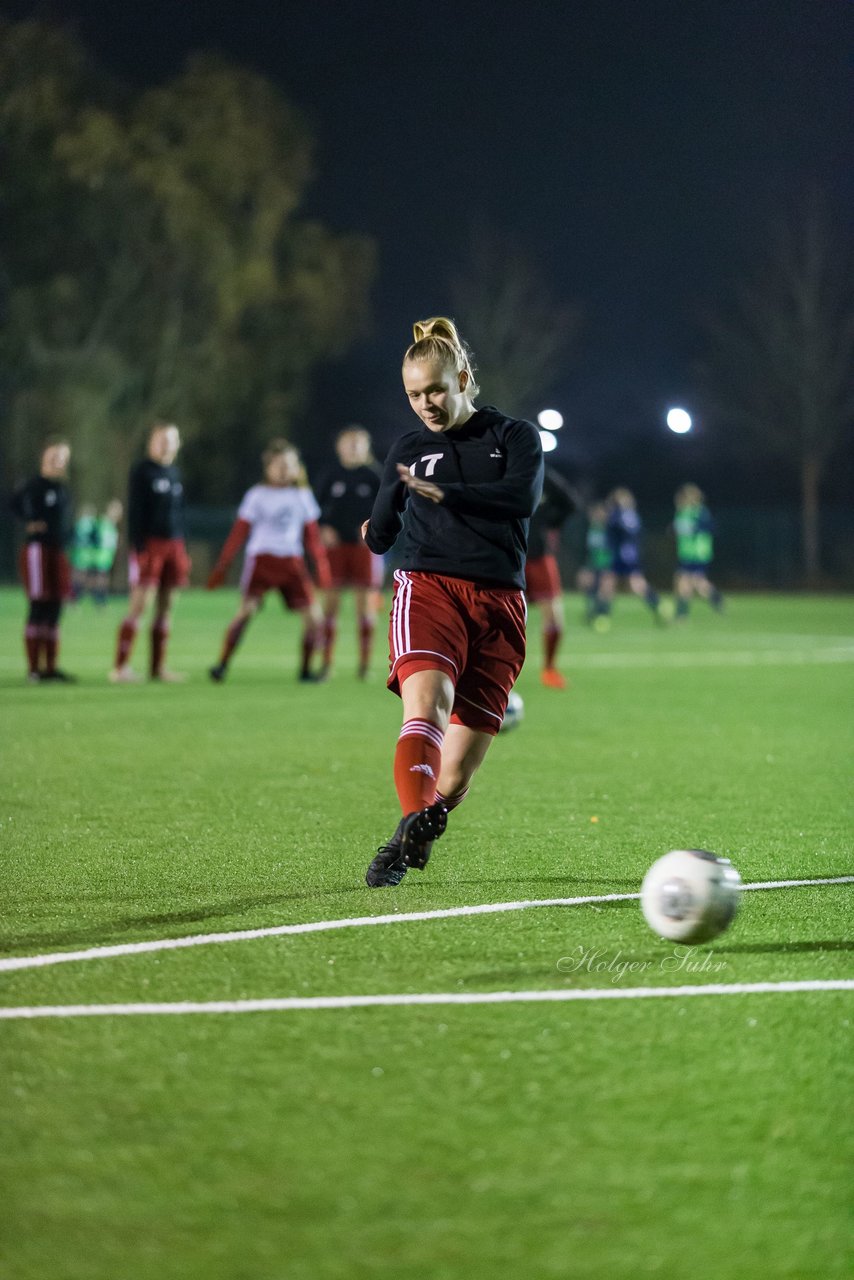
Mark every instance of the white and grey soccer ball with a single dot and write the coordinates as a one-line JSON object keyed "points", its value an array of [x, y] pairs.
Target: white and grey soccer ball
{"points": [[514, 714], [690, 895]]}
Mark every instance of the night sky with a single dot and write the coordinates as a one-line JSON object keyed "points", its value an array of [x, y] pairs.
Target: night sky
{"points": [[637, 149]]}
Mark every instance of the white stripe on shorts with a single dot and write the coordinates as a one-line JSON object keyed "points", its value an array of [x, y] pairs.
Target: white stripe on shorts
{"points": [[35, 575]]}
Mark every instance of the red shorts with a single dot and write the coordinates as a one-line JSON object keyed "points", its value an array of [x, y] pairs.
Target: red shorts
{"points": [[162, 562], [543, 579], [355, 565], [476, 634], [45, 572], [285, 574]]}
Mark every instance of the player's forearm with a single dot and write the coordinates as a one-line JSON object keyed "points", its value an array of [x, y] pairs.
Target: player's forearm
{"points": [[386, 520], [235, 540], [514, 497]]}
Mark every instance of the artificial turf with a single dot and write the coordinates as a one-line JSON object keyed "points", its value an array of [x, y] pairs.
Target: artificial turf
{"points": [[610, 1138]]}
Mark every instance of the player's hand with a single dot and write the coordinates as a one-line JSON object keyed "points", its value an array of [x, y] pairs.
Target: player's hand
{"points": [[423, 488], [216, 579], [328, 536], [365, 529], [36, 526]]}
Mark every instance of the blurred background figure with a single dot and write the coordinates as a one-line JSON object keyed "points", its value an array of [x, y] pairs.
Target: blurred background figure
{"points": [[694, 530], [624, 531], [82, 547], [279, 517], [44, 505], [158, 560], [346, 495], [599, 558], [105, 546], [542, 574]]}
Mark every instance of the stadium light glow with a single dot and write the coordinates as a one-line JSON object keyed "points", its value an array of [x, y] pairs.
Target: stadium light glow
{"points": [[679, 420], [548, 440], [550, 419]]}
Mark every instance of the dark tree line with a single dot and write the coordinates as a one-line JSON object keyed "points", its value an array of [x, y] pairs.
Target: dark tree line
{"points": [[778, 377], [155, 263]]}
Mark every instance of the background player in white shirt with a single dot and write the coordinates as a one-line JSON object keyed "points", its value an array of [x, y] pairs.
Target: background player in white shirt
{"points": [[279, 517]]}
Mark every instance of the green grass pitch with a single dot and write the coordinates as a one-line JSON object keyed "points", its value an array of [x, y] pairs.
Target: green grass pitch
{"points": [[610, 1138]]}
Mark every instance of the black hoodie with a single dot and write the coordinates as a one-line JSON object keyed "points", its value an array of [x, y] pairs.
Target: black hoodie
{"points": [[490, 470]]}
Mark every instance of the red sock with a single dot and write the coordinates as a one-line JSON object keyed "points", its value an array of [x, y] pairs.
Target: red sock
{"points": [[124, 646], [551, 640], [232, 639], [32, 644], [51, 647], [330, 632], [366, 640], [159, 640], [417, 760], [310, 645], [451, 802]]}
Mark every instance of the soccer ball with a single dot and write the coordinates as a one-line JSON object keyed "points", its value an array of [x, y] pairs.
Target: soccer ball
{"points": [[690, 895], [514, 714]]}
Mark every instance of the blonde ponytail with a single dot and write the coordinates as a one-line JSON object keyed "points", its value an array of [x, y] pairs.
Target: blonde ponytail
{"points": [[438, 339]]}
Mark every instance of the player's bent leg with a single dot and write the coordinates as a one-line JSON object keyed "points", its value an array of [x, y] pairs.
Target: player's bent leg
{"points": [[552, 613], [139, 600], [464, 752], [53, 611], [683, 590], [427, 697], [160, 629], [367, 621], [331, 606], [249, 606], [640, 587], [312, 639]]}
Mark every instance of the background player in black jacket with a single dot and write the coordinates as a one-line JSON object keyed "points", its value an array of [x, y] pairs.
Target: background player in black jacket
{"points": [[469, 480], [346, 495], [44, 505], [542, 572], [158, 556]]}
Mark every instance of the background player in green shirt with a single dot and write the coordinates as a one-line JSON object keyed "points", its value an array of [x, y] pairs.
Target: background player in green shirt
{"points": [[600, 559], [106, 542], [81, 551], [694, 530]]}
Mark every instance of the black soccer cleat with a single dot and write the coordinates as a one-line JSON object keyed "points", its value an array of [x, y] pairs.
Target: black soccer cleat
{"points": [[387, 868], [61, 677], [418, 833], [217, 673]]}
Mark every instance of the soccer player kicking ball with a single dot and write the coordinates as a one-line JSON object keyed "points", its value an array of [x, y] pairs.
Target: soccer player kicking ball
{"points": [[44, 505], [159, 563], [470, 480], [279, 517]]}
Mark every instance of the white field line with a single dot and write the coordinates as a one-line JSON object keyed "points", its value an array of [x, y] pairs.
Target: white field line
{"points": [[293, 1003], [722, 658], [10, 963]]}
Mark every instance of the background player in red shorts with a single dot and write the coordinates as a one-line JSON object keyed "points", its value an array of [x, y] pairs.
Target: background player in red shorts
{"points": [[346, 496], [542, 574], [279, 517], [470, 480], [44, 505], [159, 563]]}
